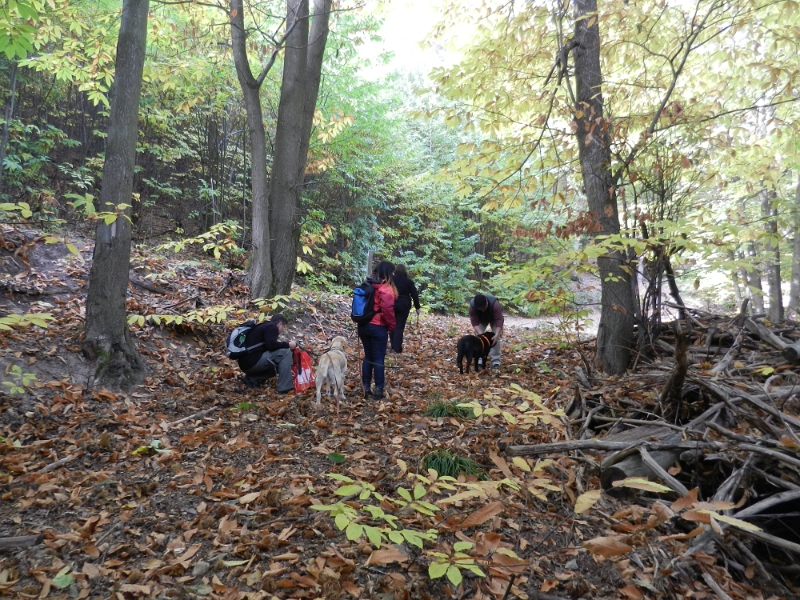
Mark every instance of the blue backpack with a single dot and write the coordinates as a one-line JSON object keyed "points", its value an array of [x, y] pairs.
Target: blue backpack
{"points": [[363, 308]]}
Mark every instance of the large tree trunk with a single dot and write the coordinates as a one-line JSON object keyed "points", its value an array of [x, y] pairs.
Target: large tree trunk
{"points": [[773, 257], [285, 185], [794, 290], [302, 69], [12, 85], [615, 331], [107, 337], [260, 273]]}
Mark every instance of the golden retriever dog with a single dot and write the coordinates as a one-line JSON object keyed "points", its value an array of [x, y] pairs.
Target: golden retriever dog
{"points": [[331, 369]]}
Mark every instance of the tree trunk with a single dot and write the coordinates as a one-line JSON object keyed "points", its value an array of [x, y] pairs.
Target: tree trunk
{"points": [[794, 291], [753, 276], [615, 331], [302, 70], [260, 273], [107, 337], [12, 85], [773, 256]]}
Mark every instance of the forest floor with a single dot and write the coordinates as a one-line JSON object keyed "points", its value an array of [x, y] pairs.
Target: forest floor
{"points": [[195, 486]]}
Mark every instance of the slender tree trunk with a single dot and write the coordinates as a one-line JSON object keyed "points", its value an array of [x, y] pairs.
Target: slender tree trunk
{"points": [[107, 337], [794, 292], [260, 273], [773, 256], [302, 70], [12, 85], [615, 331], [737, 290]]}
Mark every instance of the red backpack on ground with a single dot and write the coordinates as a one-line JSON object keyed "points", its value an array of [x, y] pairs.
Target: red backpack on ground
{"points": [[302, 372]]}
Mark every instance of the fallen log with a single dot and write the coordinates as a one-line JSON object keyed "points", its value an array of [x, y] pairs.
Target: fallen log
{"points": [[630, 462], [791, 353]]}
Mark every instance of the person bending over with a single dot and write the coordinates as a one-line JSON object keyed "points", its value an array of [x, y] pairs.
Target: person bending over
{"points": [[485, 311], [273, 356]]}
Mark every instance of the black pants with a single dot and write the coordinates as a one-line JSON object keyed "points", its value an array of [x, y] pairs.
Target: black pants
{"points": [[400, 316]]}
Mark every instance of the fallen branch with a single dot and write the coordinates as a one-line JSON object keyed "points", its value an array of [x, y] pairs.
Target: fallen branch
{"points": [[60, 462], [21, 541], [605, 446], [196, 415]]}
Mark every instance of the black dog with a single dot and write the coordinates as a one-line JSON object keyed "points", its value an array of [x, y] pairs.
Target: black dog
{"points": [[474, 347]]}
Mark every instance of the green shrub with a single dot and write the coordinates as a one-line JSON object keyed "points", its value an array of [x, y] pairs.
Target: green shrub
{"points": [[447, 463], [438, 408]]}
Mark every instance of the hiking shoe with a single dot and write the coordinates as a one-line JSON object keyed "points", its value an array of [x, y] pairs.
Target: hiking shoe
{"points": [[367, 392], [378, 395], [251, 382]]}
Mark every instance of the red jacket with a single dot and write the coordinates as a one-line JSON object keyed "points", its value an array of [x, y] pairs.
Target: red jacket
{"points": [[384, 306]]}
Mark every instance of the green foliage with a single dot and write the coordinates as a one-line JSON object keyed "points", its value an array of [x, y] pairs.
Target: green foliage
{"points": [[15, 321], [453, 564], [17, 28], [450, 464], [439, 408], [19, 381]]}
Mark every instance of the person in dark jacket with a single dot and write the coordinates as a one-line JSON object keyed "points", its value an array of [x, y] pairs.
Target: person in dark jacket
{"points": [[406, 292], [271, 356], [486, 311], [375, 334]]}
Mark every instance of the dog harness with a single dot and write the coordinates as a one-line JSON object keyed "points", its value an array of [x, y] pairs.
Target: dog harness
{"points": [[484, 342]]}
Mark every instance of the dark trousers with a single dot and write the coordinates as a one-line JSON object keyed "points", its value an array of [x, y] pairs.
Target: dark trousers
{"points": [[373, 338], [279, 360], [401, 317]]}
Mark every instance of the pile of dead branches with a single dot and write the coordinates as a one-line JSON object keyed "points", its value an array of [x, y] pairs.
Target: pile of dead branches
{"points": [[711, 412]]}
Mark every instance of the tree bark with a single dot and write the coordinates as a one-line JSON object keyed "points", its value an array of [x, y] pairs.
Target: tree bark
{"points": [[615, 331], [794, 290], [287, 167], [107, 337], [12, 85], [773, 256], [260, 272]]}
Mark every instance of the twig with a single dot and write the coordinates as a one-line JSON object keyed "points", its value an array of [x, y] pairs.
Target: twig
{"points": [[763, 505], [60, 462], [662, 473], [196, 415], [715, 586]]}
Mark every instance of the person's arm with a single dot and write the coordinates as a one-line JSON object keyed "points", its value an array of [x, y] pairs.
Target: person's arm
{"points": [[498, 322], [414, 295], [473, 319]]}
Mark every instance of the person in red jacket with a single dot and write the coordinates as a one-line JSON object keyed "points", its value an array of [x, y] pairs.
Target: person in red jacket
{"points": [[375, 334]]}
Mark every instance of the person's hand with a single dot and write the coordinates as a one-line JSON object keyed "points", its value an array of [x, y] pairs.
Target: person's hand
{"points": [[292, 345], [418, 311]]}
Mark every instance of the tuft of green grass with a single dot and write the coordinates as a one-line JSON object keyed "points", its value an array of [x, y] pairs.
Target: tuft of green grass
{"points": [[438, 408], [447, 463], [244, 406]]}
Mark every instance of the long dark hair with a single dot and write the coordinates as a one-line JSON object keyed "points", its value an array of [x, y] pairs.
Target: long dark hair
{"points": [[401, 270], [385, 272]]}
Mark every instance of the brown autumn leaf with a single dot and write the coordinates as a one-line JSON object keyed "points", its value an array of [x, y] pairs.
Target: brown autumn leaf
{"points": [[480, 516], [685, 502], [631, 592], [385, 556], [549, 584], [607, 546]]}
